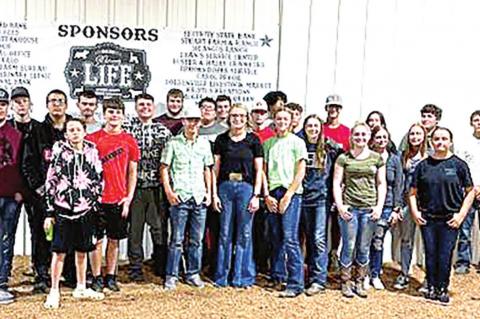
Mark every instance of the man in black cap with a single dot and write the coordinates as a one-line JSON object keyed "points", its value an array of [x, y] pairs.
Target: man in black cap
{"points": [[36, 158]]}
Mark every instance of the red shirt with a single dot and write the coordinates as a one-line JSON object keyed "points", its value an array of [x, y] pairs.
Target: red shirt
{"points": [[10, 145], [116, 152], [265, 134], [339, 135]]}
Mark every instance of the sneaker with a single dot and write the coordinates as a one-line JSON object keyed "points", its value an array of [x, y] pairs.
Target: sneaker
{"points": [[360, 289], [40, 287], [87, 293], [443, 296], [401, 282], [97, 284], [462, 270], [315, 289], [430, 293], [424, 287], [347, 291], [171, 283], [111, 283], [366, 283], [289, 293], [6, 297], [377, 283], [195, 281], [53, 301]]}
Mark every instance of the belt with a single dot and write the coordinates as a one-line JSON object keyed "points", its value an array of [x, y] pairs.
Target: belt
{"points": [[235, 177]]}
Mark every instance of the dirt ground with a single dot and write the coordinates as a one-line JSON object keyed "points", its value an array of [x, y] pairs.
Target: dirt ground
{"points": [[150, 301]]}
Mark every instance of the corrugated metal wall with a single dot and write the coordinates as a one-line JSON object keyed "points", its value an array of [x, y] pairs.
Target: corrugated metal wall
{"points": [[390, 55]]}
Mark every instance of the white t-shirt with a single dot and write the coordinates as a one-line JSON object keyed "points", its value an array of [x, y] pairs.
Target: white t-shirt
{"points": [[469, 150]]}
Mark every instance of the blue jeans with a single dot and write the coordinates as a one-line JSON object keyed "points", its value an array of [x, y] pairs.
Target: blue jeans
{"points": [[356, 237], [407, 236], [8, 226], [235, 197], [315, 225], [187, 212], [376, 248], [439, 240], [464, 248], [285, 239]]}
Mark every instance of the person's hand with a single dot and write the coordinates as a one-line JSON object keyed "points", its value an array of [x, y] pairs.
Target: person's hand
{"points": [[396, 216], [284, 202], [207, 200], [18, 197], [376, 213], [456, 221], [173, 198], [254, 204], [417, 218], [48, 222], [125, 202], [272, 204], [216, 203], [344, 213]]}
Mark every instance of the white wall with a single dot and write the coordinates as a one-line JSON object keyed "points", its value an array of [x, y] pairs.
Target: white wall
{"points": [[390, 55]]}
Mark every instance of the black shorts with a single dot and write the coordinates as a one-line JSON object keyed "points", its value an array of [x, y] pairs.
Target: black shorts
{"points": [[73, 235], [110, 222]]}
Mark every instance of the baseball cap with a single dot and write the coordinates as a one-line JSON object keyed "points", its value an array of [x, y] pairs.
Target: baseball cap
{"points": [[190, 111], [4, 96], [260, 105], [20, 91], [333, 99]]}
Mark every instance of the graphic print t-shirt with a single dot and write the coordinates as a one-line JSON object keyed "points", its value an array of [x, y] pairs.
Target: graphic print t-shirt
{"points": [[116, 151]]}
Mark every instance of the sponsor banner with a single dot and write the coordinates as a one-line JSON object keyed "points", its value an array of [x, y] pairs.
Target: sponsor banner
{"points": [[123, 61]]}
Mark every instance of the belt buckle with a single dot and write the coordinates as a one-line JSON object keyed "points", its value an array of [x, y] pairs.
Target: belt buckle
{"points": [[235, 177]]}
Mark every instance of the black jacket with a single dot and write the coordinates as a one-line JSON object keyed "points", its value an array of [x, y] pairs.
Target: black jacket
{"points": [[37, 152]]}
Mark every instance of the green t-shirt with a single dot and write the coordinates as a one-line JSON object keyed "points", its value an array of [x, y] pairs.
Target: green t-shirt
{"points": [[281, 155], [359, 178]]}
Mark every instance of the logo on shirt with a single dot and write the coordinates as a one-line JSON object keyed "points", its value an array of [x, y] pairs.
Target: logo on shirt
{"points": [[110, 156]]}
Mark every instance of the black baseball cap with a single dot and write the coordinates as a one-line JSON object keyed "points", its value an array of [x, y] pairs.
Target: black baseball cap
{"points": [[4, 96], [20, 91]]}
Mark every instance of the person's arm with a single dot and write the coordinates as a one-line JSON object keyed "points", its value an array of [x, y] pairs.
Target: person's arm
{"points": [[381, 182], [131, 184], [207, 176], [292, 188], [51, 183], [270, 201], [412, 204], [457, 219], [338, 193], [217, 204], [172, 197], [254, 204]]}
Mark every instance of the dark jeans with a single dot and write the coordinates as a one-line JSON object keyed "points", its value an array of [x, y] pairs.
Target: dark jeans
{"points": [[8, 227], [146, 208], [186, 214], [314, 219], [286, 243], [41, 254], [261, 244], [439, 240], [464, 248]]}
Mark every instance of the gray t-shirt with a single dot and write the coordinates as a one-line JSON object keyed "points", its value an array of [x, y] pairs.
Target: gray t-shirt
{"points": [[211, 132]]}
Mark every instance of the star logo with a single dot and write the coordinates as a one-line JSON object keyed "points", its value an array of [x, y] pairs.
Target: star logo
{"points": [[266, 41], [74, 73], [138, 75]]}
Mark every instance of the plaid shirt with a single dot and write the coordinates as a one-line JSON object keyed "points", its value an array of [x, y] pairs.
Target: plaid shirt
{"points": [[187, 162]]}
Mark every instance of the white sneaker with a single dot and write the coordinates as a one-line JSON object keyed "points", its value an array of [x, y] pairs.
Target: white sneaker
{"points": [[366, 283], [170, 283], [87, 293], [53, 301], [377, 283]]}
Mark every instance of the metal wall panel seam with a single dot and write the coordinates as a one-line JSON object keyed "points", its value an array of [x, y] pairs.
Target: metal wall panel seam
{"points": [[336, 48], [308, 53], [280, 22], [365, 38]]}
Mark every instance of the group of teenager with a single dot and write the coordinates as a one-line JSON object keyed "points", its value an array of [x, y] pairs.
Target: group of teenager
{"points": [[229, 191]]}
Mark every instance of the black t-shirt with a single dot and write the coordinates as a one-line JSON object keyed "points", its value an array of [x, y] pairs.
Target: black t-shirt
{"points": [[441, 185], [237, 157]]}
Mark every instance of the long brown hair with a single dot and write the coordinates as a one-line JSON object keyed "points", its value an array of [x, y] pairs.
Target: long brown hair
{"points": [[320, 150], [408, 153]]}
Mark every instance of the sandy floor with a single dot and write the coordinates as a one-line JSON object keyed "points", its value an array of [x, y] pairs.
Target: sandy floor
{"points": [[150, 301]]}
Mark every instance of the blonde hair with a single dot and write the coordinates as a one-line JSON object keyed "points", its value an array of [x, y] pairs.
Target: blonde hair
{"points": [[241, 107]]}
